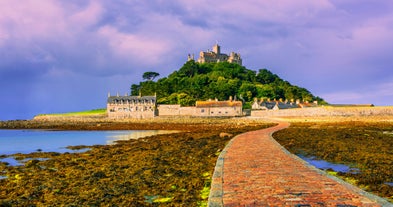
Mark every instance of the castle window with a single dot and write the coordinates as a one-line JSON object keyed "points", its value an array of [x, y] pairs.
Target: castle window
{"points": [[202, 110]]}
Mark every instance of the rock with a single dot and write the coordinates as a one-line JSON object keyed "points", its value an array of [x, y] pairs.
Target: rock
{"points": [[224, 134]]}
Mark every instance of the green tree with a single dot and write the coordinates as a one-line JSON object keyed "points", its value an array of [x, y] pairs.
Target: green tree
{"points": [[150, 75], [265, 77], [248, 91], [195, 81], [135, 89]]}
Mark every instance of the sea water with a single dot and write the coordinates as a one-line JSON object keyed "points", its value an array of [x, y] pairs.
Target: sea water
{"points": [[27, 141], [325, 165]]}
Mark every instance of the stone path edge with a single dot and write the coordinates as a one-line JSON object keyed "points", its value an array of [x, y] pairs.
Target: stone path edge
{"points": [[216, 189]]}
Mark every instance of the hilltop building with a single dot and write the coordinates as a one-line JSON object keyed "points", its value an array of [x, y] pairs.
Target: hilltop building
{"points": [[215, 56]]}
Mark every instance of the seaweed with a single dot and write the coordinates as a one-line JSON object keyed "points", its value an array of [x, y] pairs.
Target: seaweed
{"points": [[364, 145], [163, 170]]}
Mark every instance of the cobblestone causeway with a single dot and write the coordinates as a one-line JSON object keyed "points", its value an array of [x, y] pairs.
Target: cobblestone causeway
{"points": [[254, 170]]}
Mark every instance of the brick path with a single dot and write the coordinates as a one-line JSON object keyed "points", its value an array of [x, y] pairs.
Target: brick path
{"points": [[254, 170]]}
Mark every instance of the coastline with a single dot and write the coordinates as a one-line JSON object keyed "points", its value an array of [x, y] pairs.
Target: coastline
{"points": [[202, 132], [172, 168]]}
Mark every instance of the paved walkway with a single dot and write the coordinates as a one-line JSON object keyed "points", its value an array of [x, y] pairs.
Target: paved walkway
{"points": [[254, 170]]}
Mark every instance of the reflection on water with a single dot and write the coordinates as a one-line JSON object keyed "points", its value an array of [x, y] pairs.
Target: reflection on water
{"points": [[11, 161], [135, 135], [28, 141], [14, 162], [324, 165]]}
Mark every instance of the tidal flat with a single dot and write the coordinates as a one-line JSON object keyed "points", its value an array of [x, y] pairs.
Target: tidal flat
{"points": [[365, 145], [163, 170]]}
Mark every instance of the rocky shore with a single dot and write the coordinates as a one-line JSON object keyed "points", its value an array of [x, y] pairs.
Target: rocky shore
{"points": [[170, 170], [176, 169]]}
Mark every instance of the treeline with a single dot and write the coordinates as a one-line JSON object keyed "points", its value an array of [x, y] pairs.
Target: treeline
{"points": [[195, 81]]}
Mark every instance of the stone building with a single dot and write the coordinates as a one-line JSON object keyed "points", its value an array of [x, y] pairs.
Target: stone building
{"points": [[208, 108], [273, 104], [216, 56], [131, 106], [268, 104], [121, 107], [219, 108]]}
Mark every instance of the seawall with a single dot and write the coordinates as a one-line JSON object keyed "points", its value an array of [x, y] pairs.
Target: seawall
{"points": [[326, 111]]}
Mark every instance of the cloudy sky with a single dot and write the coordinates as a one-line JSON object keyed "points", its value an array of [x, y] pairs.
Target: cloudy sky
{"points": [[66, 55]]}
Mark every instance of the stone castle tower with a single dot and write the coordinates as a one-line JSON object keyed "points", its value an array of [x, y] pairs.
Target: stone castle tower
{"points": [[215, 56]]}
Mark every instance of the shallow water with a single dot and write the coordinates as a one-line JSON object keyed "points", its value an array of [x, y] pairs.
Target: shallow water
{"points": [[324, 165], [27, 141], [389, 183]]}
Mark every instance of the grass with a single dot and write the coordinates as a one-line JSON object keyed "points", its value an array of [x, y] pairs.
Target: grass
{"points": [[93, 112]]}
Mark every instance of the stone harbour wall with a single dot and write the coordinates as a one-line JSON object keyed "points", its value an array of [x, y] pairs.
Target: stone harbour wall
{"points": [[326, 111]]}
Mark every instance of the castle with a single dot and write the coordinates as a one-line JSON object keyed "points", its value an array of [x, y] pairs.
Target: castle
{"points": [[119, 107], [146, 106], [215, 56]]}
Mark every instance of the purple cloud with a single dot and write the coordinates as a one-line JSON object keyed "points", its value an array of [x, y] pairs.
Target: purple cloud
{"points": [[66, 55]]}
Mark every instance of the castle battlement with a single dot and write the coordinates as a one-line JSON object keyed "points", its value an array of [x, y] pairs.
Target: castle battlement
{"points": [[215, 56]]}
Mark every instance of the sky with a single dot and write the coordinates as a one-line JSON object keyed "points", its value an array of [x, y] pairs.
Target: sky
{"points": [[66, 55]]}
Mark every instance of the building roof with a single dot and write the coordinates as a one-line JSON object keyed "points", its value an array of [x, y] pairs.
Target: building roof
{"points": [[202, 104], [113, 99], [278, 104]]}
